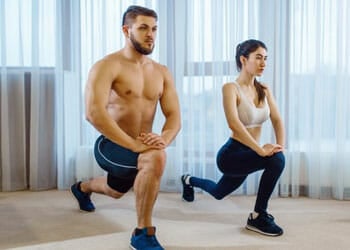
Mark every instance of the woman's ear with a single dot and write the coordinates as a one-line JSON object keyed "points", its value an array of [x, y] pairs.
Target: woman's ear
{"points": [[242, 60]]}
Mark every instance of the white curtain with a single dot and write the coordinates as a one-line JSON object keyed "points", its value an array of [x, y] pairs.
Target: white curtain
{"points": [[40, 93], [317, 98], [69, 103], [28, 153], [308, 71]]}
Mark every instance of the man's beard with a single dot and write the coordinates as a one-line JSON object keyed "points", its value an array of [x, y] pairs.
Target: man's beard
{"points": [[138, 46]]}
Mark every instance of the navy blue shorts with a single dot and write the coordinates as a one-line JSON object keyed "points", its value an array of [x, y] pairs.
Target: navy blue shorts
{"points": [[119, 162]]}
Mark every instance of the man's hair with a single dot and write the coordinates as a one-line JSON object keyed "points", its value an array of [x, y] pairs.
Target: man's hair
{"points": [[133, 11]]}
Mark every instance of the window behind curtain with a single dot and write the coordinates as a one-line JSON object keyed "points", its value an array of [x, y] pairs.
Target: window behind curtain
{"points": [[319, 68], [24, 23]]}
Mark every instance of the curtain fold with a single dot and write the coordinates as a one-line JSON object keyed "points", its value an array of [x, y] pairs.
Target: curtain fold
{"points": [[14, 159], [68, 94], [318, 76]]}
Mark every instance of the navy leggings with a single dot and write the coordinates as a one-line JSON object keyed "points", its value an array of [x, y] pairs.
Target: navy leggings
{"points": [[236, 161]]}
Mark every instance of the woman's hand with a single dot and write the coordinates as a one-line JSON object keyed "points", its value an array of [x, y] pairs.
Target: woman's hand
{"points": [[270, 149]]}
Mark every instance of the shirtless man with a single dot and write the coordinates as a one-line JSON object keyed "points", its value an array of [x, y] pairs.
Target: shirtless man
{"points": [[122, 94]]}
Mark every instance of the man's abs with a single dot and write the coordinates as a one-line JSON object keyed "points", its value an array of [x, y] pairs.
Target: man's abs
{"points": [[133, 119]]}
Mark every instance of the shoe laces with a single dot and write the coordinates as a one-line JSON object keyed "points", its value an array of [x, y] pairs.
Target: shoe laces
{"points": [[188, 189], [153, 240], [87, 198], [268, 218]]}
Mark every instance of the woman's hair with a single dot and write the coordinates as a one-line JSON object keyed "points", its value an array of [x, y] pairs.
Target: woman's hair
{"points": [[245, 49], [133, 11]]}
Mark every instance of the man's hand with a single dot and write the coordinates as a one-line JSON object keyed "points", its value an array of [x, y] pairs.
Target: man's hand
{"points": [[146, 141], [152, 139]]}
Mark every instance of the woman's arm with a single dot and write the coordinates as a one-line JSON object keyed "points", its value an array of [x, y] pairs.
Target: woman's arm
{"points": [[276, 119]]}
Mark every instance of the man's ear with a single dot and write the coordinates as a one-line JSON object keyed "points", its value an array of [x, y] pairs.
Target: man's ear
{"points": [[125, 29]]}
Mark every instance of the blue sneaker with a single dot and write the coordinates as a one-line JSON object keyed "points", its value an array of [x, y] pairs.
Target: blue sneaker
{"points": [[264, 224], [187, 191], [83, 199], [145, 239]]}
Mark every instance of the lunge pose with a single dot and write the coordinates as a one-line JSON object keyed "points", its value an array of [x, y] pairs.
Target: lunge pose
{"points": [[121, 97], [247, 104]]}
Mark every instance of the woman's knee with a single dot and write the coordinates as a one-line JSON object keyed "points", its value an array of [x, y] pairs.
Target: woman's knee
{"points": [[277, 161], [219, 196]]}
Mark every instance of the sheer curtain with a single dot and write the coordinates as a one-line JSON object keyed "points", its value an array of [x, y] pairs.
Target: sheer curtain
{"points": [[27, 97], [317, 94], [69, 103], [308, 72], [48, 46], [40, 94]]}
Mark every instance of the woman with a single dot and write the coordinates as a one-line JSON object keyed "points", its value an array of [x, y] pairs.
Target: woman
{"points": [[247, 104]]}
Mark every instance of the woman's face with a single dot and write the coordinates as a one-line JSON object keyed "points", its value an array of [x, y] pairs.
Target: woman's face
{"points": [[256, 62]]}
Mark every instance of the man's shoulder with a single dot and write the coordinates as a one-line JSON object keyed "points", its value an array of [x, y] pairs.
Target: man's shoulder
{"points": [[161, 67], [115, 57], [108, 61]]}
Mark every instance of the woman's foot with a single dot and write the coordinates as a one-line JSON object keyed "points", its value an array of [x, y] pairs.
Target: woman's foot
{"points": [[263, 224], [187, 191]]}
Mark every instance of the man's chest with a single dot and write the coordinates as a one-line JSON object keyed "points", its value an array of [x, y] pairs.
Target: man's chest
{"points": [[145, 85]]}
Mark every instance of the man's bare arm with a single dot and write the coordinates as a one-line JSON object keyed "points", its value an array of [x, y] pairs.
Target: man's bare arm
{"points": [[169, 103]]}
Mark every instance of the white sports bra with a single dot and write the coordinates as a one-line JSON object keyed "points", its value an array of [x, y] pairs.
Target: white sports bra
{"points": [[248, 113]]}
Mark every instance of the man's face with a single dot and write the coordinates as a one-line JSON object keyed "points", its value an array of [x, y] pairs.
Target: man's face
{"points": [[143, 33]]}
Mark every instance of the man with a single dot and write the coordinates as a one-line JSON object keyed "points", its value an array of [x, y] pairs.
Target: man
{"points": [[122, 94]]}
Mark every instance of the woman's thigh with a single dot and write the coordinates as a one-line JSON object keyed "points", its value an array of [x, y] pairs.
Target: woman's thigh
{"points": [[236, 159]]}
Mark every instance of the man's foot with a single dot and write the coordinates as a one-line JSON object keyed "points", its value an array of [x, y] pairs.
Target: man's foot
{"points": [[83, 199], [145, 239], [187, 191], [264, 224]]}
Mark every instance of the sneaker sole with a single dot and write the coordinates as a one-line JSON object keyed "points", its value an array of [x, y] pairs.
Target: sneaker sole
{"points": [[186, 200], [254, 229], [75, 198], [132, 248]]}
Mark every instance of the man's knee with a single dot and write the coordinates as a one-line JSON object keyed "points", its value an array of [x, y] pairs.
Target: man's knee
{"points": [[113, 193], [153, 160]]}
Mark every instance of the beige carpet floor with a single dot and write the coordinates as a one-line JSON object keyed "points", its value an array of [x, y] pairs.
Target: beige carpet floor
{"points": [[51, 220]]}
